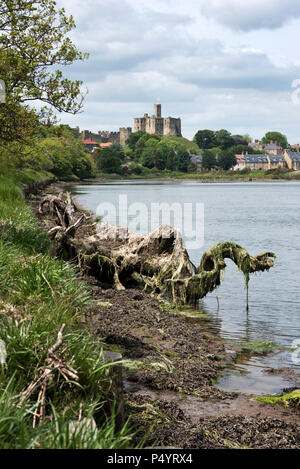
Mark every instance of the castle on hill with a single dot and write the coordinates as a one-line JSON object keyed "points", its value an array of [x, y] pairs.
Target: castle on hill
{"points": [[156, 124]]}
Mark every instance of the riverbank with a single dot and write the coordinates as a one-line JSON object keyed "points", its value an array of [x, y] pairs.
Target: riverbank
{"points": [[225, 176], [172, 360], [55, 382]]}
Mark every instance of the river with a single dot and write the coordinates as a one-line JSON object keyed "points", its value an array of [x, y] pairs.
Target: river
{"points": [[260, 216]]}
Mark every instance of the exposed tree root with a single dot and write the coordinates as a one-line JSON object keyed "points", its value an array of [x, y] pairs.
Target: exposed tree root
{"points": [[53, 365], [157, 262]]}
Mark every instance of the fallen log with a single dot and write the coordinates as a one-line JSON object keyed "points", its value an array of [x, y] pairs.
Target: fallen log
{"points": [[157, 262]]}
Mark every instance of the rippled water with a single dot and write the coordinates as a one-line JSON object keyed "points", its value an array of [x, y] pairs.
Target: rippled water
{"points": [[259, 216]]}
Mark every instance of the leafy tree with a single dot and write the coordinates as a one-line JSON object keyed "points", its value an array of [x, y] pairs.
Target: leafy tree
{"points": [[108, 161], [141, 143], [118, 150], [205, 139], [209, 160], [226, 160], [276, 137], [239, 149], [133, 138], [56, 151], [224, 139], [33, 41], [182, 160]]}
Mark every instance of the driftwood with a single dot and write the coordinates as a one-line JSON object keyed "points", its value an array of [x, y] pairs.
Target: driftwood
{"points": [[53, 365], [157, 262]]}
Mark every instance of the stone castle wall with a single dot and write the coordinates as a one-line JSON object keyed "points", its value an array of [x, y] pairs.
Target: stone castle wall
{"points": [[167, 127]]}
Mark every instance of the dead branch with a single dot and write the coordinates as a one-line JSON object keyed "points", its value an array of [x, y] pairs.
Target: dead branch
{"points": [[52, 365]]}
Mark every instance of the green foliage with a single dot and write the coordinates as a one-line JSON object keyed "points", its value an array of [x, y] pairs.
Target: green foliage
{"points": [[224, 140], [259, 348], [38, 295], [108, 161], [276, 137], [290, 399], [209, 160], [133, 139], [34, 39], [226, 160], [182, 161], [205, 139]]}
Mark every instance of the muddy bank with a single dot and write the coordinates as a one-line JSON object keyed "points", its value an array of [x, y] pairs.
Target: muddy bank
{"points": [[172, 362]]}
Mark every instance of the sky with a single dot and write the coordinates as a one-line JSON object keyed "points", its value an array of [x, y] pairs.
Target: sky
{"points": [[217, 64]]}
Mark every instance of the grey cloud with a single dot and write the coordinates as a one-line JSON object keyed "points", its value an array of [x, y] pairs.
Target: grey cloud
{"points": [[251, 14]]}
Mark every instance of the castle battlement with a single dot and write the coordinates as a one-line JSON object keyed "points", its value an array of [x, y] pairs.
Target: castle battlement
{"points": [[156, 124]]}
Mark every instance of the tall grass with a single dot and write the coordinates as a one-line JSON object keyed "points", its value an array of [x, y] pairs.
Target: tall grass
{"points": [[37, 295]]}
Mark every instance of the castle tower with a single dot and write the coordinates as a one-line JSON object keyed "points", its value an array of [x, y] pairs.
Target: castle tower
{"points": [[157, 110], [124, 134]]}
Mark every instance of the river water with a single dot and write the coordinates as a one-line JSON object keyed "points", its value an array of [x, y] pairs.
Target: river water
{"points": [[260, 217]]}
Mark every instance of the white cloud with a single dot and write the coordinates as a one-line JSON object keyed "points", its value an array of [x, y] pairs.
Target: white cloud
{"points": [[142, 50], [251, 14]]}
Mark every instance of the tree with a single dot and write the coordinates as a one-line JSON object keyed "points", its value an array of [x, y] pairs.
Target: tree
{"points": [[108, 161], [133, 138], [224, 139], [208, 159], [276, 137], [226, 160], [182, 161], [205, 139], [33, 40], [141, 143]]}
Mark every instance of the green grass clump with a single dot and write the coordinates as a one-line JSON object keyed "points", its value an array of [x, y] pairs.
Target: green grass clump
{"points": [[289, 399], [38, 294], [256, 347]]}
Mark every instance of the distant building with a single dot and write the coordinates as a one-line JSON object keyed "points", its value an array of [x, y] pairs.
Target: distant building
{"points": [[276, 161], [251, 161], [90, 144], [260, 161], [292, 159], [104, 136], [240, 163], [272, 149], [197, 160], [156, 124]]}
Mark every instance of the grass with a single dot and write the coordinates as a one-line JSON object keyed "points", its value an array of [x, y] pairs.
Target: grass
{"points": [[37, 295], [290, 399], [259, 348]]}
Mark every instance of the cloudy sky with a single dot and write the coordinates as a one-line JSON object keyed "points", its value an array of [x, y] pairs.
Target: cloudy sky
{"points": [[216, 64]]}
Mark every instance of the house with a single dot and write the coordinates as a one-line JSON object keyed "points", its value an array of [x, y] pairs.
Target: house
{"points": [[272, 149], [197, 160], [256, 162], [240, 163], [106, 145], [90, 144], [292, 159], [276, 161], [257, 145]]}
